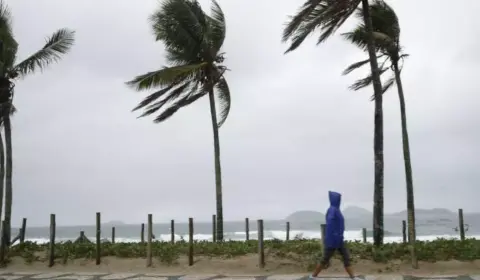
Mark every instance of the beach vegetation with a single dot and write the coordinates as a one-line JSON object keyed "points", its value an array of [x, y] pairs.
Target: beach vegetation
{"points": [[302, 251]]}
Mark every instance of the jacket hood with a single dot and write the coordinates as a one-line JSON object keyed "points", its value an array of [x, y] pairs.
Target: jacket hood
{"points": [[334, 198]]}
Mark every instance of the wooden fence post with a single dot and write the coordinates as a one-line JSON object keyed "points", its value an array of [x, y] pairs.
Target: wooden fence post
{"points": [[190, 241], [261, 248], [287, 237], [142, 233], [24, 230], [322, 233], [51, 255], [364, 235], [461, 225], [98, 240], [214, 228], [247, 229], [172, 231], [113, 235], [149, 240]]}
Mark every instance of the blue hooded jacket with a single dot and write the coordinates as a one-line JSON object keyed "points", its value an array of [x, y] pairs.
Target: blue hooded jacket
{"points": [[335, 222]]}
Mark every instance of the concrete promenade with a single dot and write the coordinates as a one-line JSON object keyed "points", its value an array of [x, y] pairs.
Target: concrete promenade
{"points": [[146, 276]]}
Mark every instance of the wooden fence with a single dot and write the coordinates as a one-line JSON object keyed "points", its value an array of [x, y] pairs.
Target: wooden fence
{"points": [[260, 229]]}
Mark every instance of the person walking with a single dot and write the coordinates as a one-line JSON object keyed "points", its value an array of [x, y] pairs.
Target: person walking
{"points": [[334, 241]]}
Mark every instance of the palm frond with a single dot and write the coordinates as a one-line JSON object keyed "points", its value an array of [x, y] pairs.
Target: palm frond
{"points": [[357, 65], [223, 94], [5, 19], [388, 84], [9, 46], [57, 45], [180, 25], [386, 29], [185, 101], [357, 36], [335, 17], [307, 27], [365, 82], [151, 98], [298, 21], [170, 93], [384, 19], [217, 27], [326, 15], [166, 76]]}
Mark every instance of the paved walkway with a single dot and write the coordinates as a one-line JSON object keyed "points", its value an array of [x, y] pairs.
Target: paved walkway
{"points": [[133, 276]]}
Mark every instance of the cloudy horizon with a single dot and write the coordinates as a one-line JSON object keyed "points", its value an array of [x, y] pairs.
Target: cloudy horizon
{"points": [[294, 132]]}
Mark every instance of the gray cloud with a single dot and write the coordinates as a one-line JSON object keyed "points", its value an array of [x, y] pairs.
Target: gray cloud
{"points": [[295, 130]]}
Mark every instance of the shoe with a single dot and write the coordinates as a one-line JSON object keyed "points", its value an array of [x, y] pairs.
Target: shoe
{"points": [[311, 277]]}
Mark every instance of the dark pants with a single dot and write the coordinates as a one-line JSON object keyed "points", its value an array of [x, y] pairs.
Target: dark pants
{"points": [[328, 253]]}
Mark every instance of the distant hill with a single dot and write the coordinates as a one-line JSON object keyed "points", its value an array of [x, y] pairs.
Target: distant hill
{"points": [[306, 217], [117, 223], [358, 217], [353, 212]]}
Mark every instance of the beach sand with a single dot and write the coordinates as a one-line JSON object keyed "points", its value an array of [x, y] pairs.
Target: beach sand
{"points": [[244, 265]]}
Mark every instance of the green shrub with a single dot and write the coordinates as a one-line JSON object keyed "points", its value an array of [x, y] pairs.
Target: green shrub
{"points": [[300, 250]]}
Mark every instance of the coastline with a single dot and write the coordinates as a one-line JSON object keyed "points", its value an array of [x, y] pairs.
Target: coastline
{"points": [[351, 236]]}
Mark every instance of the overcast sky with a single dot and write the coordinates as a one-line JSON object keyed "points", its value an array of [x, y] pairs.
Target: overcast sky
{"points": [[295, 131]]}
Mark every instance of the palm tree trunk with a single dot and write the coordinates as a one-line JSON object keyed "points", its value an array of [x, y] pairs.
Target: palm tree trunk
{"points": [[218, 168], [408, 167], [8, 174], [2, 174], [378, 131]]}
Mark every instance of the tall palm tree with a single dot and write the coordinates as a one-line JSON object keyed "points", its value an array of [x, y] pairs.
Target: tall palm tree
{"points": [[386, 29], [328, 16], [58, 44], [193, 41]]}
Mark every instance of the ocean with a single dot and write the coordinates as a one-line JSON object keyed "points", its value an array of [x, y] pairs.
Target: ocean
{"points": [[428, 228]]}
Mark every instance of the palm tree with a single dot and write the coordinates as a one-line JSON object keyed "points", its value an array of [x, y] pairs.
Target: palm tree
{"points": [[328, 16], [58, 44], [192, 42], [386, 30]]}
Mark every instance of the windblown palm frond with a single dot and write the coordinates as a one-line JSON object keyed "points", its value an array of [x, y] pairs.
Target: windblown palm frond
{"points": [[326, 15], [223, 94], [386, 28], [361, 83], [8, 44], [180, 25], [56, 45], [166, 76], [367, 81], [357, 65], [384, 19], [386, 38], [192, 42], [217, 28]]}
